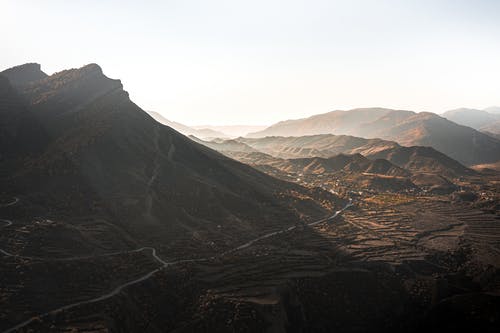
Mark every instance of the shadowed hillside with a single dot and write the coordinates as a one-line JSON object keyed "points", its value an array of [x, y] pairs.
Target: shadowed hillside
{"points": [[142, 175]]}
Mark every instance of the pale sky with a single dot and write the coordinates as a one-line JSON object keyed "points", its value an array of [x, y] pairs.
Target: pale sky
{"points": [[258, 62]]}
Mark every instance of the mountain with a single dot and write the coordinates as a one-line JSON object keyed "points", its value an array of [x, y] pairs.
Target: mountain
{"points": [[493, 109], [136, 173], [186, 130], [408, 128], [492, 129], [434, 183], [355, 170], [225, 146], [471, 117], [386, 167], [481, 120], [356, 163], [23, 74], [335, 122], [493, 135], [325, 145], [340, 171], [232, 131], [419, 159], [413, 158]]}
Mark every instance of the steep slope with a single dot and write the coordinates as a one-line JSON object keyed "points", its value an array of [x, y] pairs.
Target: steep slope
{"points": [[408, 128], [186, 130], [145, 177]]}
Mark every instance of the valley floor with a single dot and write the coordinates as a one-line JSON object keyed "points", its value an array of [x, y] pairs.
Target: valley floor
{"points": [[383, 264]]}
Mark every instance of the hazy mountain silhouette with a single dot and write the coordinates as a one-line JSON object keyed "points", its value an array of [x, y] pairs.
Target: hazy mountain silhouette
{"points": [[324, 145], [202, 133], [408, 128], [387, 168], [233, 131], [224, 146], [493, 109], [482, 120], [414, 158]]}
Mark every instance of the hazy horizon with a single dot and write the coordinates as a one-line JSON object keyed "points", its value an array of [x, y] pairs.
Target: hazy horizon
{"points": [[226, 63]]}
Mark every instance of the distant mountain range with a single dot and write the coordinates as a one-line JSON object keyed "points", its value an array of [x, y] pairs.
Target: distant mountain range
{"points": [[323, 145], [487, 121], [233, 131], [493, 109], [208, 131], [202, 133], [413, 159], [387, 166], [407, 128]]}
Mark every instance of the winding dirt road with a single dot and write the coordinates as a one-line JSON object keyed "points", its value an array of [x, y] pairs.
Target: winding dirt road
{"points": [[144, 277]]}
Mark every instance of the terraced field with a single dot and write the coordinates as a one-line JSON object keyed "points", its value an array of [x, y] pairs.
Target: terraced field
{"points": [[415, 230], [374, 259]]}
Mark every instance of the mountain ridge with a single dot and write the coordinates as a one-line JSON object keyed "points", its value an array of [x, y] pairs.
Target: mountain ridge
{"points": [[408, 128], [482, 120]]}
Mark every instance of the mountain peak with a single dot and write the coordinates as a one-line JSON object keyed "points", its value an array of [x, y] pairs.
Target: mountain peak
{"points": [[92, 67], [23, 74], [65, 90], [91, 71]]}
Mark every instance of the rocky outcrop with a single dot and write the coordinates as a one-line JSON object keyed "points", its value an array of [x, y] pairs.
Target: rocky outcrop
{"points": [[24, 74]]}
